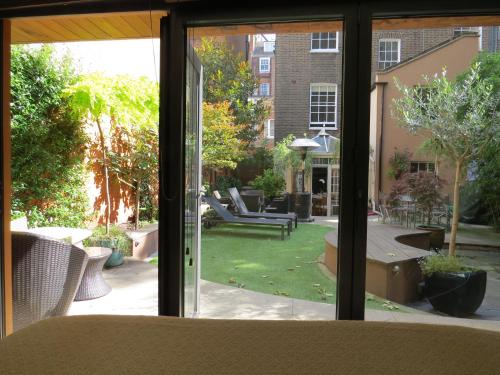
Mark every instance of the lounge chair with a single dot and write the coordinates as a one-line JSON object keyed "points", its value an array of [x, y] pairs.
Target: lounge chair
{"points": [[243, 210], [46, 274], [227, 217]]}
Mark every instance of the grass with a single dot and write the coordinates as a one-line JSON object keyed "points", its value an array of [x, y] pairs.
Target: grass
{"points": [[256, 259]]}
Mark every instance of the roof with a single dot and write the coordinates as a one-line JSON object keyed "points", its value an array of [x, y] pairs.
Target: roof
{"points": [[429, 51], [328, 143]]}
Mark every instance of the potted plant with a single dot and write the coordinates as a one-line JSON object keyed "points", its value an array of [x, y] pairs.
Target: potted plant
{"points": [[451, 287], [116, 240]]}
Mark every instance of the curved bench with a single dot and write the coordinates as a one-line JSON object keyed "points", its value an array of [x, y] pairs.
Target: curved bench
{"points": [[392, 269]]}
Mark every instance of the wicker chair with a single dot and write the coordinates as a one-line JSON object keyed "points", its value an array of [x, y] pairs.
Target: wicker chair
{"points": [[46, 276]]}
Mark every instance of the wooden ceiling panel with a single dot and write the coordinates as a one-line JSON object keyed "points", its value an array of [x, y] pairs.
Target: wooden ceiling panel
{"points": [[131, 25]]}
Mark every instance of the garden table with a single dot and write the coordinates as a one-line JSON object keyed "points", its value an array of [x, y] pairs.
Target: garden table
{"points": [[93, 284], [75, 235]]}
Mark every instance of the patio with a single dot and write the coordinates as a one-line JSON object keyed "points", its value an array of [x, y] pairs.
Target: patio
{"points": [[134, 292]]}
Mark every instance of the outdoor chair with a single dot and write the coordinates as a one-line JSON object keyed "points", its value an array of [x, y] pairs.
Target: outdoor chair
{"points": [[227, 217], [244, 212], [279, 205], [254, 199], [46, 276]]}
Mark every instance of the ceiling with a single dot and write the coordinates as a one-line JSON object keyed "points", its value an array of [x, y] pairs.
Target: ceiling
{"points": [[108, 26], [145, 24]]}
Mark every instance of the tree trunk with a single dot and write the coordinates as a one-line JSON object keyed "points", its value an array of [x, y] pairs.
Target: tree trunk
{"points": [[106, 175], [456, 203], [137, 204]]}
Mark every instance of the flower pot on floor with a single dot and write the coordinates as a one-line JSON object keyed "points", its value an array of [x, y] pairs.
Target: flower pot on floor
{"points": [[437, 235], [458, 294], [115, 259]]}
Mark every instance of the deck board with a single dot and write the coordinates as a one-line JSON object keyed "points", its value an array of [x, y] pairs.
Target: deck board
{"points": [[383, 247]]}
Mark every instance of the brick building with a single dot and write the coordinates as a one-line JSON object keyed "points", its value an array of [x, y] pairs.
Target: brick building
{"points": [[262, 60], [308, 90], [309, 67]]}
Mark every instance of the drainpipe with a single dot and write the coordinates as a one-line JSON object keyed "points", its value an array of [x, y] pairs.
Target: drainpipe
{"points": [[381, 139], [493, 39]]}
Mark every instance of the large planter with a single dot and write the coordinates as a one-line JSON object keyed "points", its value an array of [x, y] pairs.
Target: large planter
{"points": [[303, 206], [116, 257], [437, 235], [456, 294]]}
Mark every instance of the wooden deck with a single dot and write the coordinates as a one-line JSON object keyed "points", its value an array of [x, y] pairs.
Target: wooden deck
{"points": [[383, 243], [392, 269]]}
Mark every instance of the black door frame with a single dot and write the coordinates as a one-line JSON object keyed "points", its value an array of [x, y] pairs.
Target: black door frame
{"points": [[355, 140], [358, 16]]}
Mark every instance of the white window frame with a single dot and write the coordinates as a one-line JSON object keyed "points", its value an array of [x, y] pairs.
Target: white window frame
{"points": [[322, 50], [268, 133], [319, 125], [421, 164], [268, 46], [261, 59], [388, 61], [268, 89]]}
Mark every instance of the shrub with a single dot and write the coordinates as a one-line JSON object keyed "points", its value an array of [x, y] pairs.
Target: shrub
{"points": [[423, 187], [270, 182], [222, 183], [116, 235], [442, 263], [48, 141], [399, 163]]}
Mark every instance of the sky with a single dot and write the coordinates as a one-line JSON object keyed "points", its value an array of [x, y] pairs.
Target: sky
{"points": [[137, 57]]}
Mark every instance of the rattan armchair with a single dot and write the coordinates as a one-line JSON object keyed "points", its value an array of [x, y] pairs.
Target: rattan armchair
{"points": [[46, 276]]}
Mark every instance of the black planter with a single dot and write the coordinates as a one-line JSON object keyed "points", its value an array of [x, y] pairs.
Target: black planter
{"points": [[437, 235], [456, 294], [303, 206]]}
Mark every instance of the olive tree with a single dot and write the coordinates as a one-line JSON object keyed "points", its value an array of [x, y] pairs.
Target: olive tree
{"points": [[458, 117]]}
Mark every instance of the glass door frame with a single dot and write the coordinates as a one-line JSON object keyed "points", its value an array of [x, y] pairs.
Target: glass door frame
{"points": [[357, 27], [355, 116]]}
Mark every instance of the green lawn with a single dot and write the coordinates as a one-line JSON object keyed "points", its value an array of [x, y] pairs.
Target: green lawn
{"points": [[256, 259]]}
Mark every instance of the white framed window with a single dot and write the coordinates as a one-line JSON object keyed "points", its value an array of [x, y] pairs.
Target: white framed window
{"points": [[264, 64], [269, 128], [269, 46], [264, 89], [465, 30], [323, 106], [422, 166], [324, 42], [389, 52]]}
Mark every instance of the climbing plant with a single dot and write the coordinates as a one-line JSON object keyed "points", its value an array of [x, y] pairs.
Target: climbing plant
{"points": [[125, 112]]}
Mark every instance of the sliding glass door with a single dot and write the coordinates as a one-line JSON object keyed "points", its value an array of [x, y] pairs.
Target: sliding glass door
{"points": [[192, 216]]}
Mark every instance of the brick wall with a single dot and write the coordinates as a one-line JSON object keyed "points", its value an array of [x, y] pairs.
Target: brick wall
{"points": [[297, 68]]}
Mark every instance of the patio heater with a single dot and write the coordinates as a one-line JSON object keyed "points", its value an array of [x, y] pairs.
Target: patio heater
{"points": [[303, 199]]}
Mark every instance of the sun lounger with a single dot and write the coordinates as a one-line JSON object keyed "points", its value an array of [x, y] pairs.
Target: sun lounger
{"points": [[243, 210], [229, 218]]}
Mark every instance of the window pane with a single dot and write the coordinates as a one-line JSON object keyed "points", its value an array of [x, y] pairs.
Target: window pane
{"points": [[411, 189]]}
